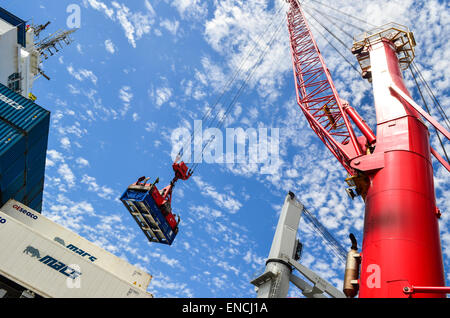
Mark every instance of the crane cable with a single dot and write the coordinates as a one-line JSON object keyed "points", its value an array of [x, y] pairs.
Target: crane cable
{"points": [[327, 29], [428, 110], [344, 13], [334, 47], [334, 245], [335, 19], [229, 83], [240, 90], [432, 95]]}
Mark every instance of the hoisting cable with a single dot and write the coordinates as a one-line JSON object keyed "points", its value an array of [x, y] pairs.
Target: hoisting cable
{"points": [[432, 96], [231, 80], [428, 110], [336, 18], [337, 50], [344, 13], [336, 248], [327, 29], [330, 17], [241, 89], [216, 118]]}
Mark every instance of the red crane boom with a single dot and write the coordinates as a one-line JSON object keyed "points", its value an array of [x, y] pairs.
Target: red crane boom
{"points": [[317, 95]]}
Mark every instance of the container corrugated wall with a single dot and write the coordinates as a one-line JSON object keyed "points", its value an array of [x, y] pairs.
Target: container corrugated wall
{"points": [[24, 127], [49, 269], [53, 231]]}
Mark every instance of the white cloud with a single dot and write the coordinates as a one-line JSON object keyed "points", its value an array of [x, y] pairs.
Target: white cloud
{"points": [[65, 143], [162, 96], [66, 173], [253, 42], [73, 90], [171, 26], [222, 200], [123, 16], [100, 6], [55, 155], [195, 9], [125, 94], [150, 126], [212, 75], [82, 162], [79, 48], [109, 46], [104, 192], [164, 282], [150, 8], [82, 74], [134, 24]]}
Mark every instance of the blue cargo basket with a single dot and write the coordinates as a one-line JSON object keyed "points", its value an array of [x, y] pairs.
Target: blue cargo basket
{"points": [[139, 202]]}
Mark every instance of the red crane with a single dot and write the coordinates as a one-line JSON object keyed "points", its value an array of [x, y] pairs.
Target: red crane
{"points": [[392, 171]]}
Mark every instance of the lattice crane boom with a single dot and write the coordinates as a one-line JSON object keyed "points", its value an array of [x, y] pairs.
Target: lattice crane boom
{"points": [[317, 95]]}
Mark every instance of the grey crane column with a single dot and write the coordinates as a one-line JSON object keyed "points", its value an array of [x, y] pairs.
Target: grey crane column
{"points": [[274, 283]]}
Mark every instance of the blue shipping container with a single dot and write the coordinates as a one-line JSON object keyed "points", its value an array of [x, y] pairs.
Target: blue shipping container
{"points": [[32, 192], [24, 128], [34, 175], [36, 203], [148, 216], [24, 115], [12, 145], [37, 150]]}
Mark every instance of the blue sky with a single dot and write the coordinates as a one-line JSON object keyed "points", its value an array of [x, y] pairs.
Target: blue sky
{"points": [[138, 70]]}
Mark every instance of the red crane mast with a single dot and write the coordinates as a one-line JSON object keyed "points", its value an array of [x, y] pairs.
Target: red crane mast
{"points": [[401, 253]]}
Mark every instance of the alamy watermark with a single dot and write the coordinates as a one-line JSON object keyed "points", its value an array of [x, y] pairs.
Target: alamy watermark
{"points": [[238, 146], [74, 19], [75, 281], [374, 278]]}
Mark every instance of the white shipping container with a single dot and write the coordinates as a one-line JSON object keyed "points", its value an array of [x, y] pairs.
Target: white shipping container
{"points": [[51, 270], [8, 51], [77, 245]]}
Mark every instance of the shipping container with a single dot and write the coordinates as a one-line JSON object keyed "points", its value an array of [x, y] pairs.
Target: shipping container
{"points": [[49, 269], [24, 115], [24, 127], [140, 203], [12, 144], [17, 22], [75, 243], [32, 192], [16, 189]]}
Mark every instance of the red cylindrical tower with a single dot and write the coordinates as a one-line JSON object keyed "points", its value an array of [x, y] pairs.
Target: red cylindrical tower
{"points": [[401, 244]]}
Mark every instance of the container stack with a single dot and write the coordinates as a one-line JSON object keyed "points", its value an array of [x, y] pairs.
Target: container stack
{"points": [[24, 128], [51, 261]]}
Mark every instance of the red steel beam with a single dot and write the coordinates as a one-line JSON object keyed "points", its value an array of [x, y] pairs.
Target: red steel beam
{"points": [[316, 93]]}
